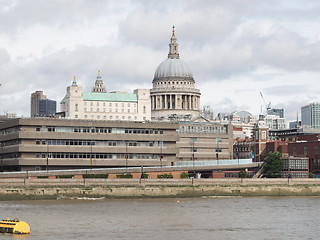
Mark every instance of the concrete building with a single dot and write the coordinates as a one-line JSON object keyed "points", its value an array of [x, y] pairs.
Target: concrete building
{"points": [[102, 105], [173, 93], [310, 115], [46, 143], [34, 103], [202, 140], [274, 122]]}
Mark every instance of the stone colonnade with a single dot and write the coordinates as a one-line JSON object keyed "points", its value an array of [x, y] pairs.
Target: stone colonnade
{"points": [[175, 101]]}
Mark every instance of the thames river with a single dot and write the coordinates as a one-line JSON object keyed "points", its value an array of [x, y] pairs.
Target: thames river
{"points": [[186, 218]]}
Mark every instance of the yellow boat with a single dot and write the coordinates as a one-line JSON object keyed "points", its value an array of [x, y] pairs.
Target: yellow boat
{"points": [[14, 226]]}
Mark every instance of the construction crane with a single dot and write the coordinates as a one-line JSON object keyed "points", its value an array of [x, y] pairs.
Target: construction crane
{"points": [[268, 106]]}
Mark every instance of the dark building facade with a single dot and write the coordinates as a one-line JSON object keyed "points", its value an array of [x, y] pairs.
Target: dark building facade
{"points": [[47, 108]]}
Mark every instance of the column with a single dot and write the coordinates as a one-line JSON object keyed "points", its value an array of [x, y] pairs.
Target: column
{"points": [[152, 100], [165, 101]]}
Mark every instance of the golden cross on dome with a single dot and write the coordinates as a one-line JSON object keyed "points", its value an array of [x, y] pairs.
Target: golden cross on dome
{"points": [[98, 72], [173, 30]]}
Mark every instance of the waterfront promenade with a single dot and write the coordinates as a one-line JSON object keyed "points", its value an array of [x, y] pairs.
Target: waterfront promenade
{"points": [[141, 188]]}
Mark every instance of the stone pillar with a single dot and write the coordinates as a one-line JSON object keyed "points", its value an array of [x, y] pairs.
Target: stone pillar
{"points": [[190, 102], [170, 101], [165, 101], [152, 102]]}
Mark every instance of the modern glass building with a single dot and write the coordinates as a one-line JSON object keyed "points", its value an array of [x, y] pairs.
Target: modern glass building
{"points": [[47, 108], [310, 115]]}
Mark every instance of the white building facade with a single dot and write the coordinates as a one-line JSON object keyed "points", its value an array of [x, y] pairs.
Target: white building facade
{"points": [[102, 105]]}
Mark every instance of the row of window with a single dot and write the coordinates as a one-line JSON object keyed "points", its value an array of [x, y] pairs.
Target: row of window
{"points": [[110, 110], [98, 155], [9, 130], [203, 129], [111, 117], [174, 82], [100, 143], [110, 104], [101, 130]]}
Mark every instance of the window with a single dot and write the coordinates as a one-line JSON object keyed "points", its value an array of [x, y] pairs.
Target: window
{"points": [[294, 151], [305, 151], [97, 104], [97, 109], [85, 109], [122, 104], [76, 107], [144, 109], [37, 142]]}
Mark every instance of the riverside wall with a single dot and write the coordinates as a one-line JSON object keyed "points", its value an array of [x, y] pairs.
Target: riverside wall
{"points": [[14, 189]]}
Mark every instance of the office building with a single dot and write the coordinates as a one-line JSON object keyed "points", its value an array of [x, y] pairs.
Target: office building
{"points": [[310, 115], [50, 143], [35, 98], [47, 108]]}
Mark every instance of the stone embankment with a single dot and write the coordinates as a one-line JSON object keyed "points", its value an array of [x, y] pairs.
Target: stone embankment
{"points": [[137, 188]]}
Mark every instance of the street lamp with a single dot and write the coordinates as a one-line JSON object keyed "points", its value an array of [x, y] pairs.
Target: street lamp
{"points": [[91, 143], [47, 154], [192, 140], [126, 154], [160, 153]]}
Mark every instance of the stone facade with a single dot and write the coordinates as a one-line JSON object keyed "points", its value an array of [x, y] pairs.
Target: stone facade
{"points": [[101, 105]]}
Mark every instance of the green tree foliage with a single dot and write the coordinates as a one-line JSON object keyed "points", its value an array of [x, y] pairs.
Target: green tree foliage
{"points": [[243, 174], [273, 166], [184, 175]]}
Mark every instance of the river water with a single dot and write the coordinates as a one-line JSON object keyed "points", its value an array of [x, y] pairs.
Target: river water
{"points": [[186, 218]]}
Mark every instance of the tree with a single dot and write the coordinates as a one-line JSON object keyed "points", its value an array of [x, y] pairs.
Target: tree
{"points": [[243, 174], [273, 166]]}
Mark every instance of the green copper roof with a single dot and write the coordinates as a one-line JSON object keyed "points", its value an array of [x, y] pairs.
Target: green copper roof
{"points": [[108, 97]]}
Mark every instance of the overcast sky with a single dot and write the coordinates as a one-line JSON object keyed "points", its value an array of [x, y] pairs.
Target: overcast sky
{"points": [[235, 49]]}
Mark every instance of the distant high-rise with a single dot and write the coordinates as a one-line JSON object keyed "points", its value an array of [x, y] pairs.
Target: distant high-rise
{"points": [[35, 98], [276, 111], [47, 108], [310, 115]]}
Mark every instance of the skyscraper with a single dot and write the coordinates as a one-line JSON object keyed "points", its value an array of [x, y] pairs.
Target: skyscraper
{"points": [[310, 115], [35, 98]]}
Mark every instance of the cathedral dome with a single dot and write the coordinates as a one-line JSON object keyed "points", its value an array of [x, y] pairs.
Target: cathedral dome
{"points": [[173, 67]]}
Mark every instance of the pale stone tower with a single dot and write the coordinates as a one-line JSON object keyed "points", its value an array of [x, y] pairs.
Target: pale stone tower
{"points": [[73, 101]]}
